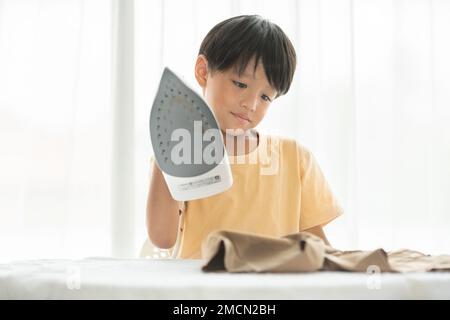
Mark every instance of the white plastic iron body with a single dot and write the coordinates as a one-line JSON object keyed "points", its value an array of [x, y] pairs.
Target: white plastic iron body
{"points": [[187, 141]]}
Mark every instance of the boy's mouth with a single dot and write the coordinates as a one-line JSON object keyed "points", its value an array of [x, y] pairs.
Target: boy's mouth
{"points": [[241, 117]]}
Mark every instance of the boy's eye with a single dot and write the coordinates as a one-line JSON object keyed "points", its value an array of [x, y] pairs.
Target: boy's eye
{"points": [[243, 86], [240, 84], [266, 98]]}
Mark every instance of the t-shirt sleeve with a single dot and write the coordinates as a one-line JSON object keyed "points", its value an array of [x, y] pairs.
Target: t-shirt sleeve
{"points": [[319, 205]]}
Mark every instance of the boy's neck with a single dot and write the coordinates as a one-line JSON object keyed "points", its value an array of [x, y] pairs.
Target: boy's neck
{"points": [[251, 142]]}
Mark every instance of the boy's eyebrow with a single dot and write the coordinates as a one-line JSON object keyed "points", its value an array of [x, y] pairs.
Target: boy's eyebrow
{"points": [[246, 75]]}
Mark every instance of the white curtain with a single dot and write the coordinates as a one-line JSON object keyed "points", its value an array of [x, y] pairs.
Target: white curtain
{"points": [[55, 128], [77, 78]]}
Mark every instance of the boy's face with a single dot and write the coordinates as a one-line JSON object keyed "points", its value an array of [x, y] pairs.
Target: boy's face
{"points": [[233, 98]]}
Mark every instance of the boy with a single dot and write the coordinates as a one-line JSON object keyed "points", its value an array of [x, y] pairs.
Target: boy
{"points": [[244, 63]]}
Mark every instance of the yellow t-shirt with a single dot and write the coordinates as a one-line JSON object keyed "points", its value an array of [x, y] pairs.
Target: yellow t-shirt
{"points": [[278, 189]]}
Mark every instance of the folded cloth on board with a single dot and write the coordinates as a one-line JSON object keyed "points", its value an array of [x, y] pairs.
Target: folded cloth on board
{"points": [[234, 251]]}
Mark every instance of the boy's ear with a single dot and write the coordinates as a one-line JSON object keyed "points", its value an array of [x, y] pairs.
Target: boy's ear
{"points": [[201, 70]]}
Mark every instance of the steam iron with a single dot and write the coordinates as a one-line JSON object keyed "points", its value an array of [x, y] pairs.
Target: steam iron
{"points": [[187, 141]]}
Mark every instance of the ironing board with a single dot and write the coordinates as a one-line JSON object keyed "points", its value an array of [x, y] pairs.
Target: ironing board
{"points": [[108, 278]]}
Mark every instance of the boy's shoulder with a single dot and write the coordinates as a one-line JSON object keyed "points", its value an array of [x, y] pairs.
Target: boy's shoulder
{"points": [[292, 150]]}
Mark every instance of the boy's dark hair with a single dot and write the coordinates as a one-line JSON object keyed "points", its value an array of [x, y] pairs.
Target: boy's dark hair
{"points": [[235, 41]]}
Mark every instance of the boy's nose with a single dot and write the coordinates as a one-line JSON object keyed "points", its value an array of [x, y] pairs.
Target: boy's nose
{"points": [[250, 103]]}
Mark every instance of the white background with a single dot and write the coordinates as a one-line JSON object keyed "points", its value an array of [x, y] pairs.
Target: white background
{"points": [[370, 99]]}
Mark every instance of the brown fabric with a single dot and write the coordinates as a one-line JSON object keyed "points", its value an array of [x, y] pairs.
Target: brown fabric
{"points": [[304, 252]]}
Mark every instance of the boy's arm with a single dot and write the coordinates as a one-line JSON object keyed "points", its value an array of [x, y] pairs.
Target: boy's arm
{"points": [[162, 212], [318, 231]]}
